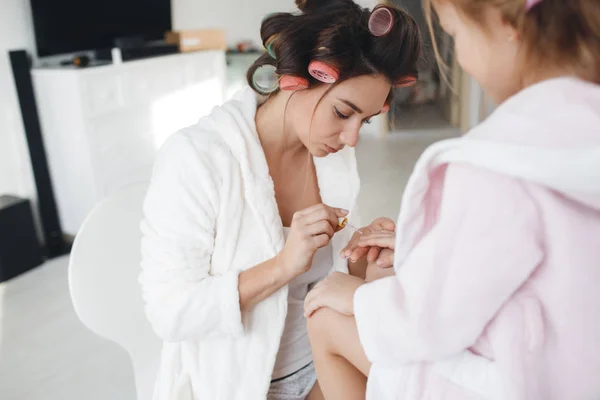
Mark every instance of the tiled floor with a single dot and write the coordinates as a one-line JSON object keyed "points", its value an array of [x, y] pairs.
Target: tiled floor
{"points": [[45, 352]]}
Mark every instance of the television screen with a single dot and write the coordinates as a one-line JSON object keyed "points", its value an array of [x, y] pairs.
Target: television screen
{"points": [[67, 26]]}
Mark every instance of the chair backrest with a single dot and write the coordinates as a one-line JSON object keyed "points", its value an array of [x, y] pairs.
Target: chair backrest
{"points": [[103, 280]]}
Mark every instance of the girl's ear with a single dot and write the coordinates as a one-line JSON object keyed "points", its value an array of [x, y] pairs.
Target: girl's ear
{"points": [[507, 30]]}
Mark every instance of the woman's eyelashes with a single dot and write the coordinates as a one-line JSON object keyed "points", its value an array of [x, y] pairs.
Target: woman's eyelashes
{"points": [[341, 115]]}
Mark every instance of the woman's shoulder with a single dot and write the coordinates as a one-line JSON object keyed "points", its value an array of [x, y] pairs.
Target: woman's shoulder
{"points": [[192, 152], [208, 137], [193, 142]]}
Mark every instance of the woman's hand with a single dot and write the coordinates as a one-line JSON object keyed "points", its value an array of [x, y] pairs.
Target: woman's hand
{"points": [[335, 292], [353, 252], [311, 229]]}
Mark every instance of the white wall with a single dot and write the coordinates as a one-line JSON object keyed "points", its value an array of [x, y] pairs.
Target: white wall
{"points": [[15, 168], [239, 18]]}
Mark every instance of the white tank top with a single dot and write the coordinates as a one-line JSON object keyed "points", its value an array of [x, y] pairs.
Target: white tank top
{"points": [[294, 348]]}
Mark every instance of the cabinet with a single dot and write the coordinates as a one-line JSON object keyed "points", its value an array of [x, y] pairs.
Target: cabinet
{"points": [[102, 126]]}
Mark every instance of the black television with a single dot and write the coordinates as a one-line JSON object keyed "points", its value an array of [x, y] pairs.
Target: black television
{"points": [[69, 26]]}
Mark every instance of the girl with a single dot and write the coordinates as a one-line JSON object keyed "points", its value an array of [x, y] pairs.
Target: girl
{"points": [[497, 251], [235, 225]]}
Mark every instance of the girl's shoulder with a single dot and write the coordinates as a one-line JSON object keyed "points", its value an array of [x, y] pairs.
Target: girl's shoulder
{"points": [[556, 113]]}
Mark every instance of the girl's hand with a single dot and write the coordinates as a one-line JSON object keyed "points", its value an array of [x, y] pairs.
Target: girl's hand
{"points": [[383, 239], [385, 259], [311, 229], [355, 253], [335, 292]]}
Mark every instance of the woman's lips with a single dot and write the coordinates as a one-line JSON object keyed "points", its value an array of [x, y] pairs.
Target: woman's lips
{"points": [[331, 150]]}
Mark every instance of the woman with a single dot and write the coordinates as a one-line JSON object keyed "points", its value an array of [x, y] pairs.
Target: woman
{"points": [[241, 215]]}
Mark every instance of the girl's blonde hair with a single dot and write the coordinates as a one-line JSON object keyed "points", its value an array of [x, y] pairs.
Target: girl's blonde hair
{"points": [[557, 33]]}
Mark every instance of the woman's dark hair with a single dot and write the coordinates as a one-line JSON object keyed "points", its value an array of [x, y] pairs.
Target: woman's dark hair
{"points": [[336, 32]]}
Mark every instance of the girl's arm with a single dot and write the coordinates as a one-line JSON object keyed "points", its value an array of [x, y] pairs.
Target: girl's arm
{"points": [[484, 246]]}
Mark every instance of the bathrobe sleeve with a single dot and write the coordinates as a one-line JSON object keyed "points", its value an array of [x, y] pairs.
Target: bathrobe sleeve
{"points": [[484, 246], [183, 300]]}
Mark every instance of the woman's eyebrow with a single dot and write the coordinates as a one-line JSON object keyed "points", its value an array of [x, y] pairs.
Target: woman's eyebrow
{"points": [[351, 105]]}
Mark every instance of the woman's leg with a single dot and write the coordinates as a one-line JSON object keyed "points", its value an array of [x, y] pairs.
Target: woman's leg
{"points": [[316, 393], [341, 364]]}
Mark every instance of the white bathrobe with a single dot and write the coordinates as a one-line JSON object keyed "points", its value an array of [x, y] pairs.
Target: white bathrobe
{"points": [[210, 213]]}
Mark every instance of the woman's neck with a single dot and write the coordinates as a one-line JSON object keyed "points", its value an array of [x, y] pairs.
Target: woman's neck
{"points": [[273, 126]]}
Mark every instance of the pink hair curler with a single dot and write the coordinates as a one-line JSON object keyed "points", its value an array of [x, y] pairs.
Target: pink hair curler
{"points": [[323, 72], [405, 81], [381, 21], [289, 82]]}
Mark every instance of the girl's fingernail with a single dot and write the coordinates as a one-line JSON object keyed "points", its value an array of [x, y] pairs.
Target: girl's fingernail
{"points": [[345, 212], [379, 262]]}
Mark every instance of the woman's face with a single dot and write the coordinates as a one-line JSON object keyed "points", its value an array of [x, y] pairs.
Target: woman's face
{"points": [[340, 114]]}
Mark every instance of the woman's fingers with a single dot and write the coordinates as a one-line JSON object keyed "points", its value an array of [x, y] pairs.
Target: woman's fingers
{"points": [[321, 240], [321, 212], [307, 211], [318, 228], [321, 209], [340, 212]]}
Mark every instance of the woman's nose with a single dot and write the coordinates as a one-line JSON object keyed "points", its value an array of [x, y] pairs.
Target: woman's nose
{"points": [[349, 136]]}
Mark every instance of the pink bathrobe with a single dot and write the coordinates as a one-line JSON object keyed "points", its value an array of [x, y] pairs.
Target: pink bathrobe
{"points": [[497, 293]]}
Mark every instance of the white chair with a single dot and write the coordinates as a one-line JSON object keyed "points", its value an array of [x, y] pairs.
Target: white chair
{"points": [[103, 280]]}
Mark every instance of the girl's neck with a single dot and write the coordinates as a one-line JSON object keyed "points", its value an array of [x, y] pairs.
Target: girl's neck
{"points": [[278, 139], [541, 75]]}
